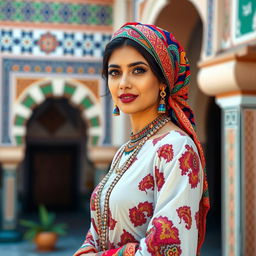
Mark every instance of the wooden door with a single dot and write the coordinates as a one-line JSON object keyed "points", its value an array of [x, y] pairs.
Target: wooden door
{"points": [[53, 177]]}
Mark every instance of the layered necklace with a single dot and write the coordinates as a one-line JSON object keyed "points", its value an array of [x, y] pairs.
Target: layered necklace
{"points": [[141, 137], [137, 137]]}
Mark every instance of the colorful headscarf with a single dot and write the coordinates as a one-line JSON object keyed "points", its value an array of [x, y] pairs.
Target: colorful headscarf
{"points": [[172, 60]]}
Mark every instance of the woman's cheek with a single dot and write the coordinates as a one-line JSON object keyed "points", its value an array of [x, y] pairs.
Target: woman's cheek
{"points": [[113, 90]]}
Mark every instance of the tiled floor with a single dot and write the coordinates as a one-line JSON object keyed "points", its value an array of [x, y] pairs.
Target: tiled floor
{"points": [[66, 246], [78, 225]]}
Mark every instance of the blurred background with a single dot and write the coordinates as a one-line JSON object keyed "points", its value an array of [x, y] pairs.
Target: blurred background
{"points": [[57, 133]]}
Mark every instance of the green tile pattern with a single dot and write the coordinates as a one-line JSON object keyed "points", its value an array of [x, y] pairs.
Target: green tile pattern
{"points": [[69, 89], [19, 120], [28, 102], [46, 89], [56, 12], [86, 102], [95, 140], [19, 140], [94, 122]]}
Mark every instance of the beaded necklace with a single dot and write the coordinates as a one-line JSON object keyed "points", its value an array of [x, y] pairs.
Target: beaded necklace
{"points": [[135, 138], [102, 218]]}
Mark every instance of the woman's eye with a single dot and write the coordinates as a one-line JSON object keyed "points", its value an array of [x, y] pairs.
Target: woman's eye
{"points": [[113, 72], [139, 70]]}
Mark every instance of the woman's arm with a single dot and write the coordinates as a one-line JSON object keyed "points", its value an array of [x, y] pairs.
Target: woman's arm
{"points": [[88, 246]]}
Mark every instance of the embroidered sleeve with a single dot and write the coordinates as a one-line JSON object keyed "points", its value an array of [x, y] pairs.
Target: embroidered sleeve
{"points": [[173, 227], [88, 245]]}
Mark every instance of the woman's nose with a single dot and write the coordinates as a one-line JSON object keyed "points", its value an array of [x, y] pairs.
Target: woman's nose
{"points": [[124, 82]]}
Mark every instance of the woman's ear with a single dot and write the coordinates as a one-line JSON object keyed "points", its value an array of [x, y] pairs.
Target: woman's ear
{"points": [[162, 86]]}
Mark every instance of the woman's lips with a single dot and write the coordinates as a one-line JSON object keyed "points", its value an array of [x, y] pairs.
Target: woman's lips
{"points": [[127, 98]]}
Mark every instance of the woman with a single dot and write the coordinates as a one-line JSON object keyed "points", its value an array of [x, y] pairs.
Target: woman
{"points": [[154, 199]]}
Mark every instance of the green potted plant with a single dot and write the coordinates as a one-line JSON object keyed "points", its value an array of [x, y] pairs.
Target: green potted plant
{"points": [[45, 232]]}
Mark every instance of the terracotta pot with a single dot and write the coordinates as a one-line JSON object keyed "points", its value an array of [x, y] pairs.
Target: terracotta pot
{"points": [[45, 241]]}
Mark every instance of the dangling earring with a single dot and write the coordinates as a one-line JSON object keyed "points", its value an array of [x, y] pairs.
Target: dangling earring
{"points": [[162, 107], [116, 111]]}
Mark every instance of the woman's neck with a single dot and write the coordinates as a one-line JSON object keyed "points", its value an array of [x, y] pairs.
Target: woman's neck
{"points": [[140, 120]]}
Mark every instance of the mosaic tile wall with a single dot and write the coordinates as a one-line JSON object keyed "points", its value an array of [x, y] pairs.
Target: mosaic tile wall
{"points": [[49, 39], [53, 43], [57, 12]]}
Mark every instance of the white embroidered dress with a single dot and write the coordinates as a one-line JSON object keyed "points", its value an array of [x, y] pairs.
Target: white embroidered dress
{"points": [[153, 208]]}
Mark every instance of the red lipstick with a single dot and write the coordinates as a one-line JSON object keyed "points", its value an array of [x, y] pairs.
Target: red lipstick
{"points": [[127, 97]]}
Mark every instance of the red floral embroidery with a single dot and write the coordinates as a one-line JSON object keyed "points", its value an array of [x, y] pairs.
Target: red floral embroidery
{"points": [[137, 214], [197, 219], [111, 245], [166, 152], [133, 33], [164, 236], [159, 179], [147, 183], [159, 138], [111, 222], [126, 238], [189, 165], [171, 250], [89, 238], [184, 213]]}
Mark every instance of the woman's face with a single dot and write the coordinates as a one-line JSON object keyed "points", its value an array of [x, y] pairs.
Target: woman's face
{"points": [[133, 85]]}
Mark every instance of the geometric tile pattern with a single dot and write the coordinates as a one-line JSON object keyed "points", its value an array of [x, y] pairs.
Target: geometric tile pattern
{"points": [[77, 94], [41, 42], [249, 150], [210, 25], [45, 68], [231, 134], [232, 172], [57, 12]]}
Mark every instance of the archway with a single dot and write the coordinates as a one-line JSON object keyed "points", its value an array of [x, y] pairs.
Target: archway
{"points": [[77, 94], [56, 120]]}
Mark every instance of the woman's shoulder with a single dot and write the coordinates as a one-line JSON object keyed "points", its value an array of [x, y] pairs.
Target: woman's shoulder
{"points": [[175, 139]]}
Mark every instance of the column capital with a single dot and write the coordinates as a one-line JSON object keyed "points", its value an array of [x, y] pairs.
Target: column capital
{"points": [[236, 101], [101, 156], [10, 157], [229, 73]]}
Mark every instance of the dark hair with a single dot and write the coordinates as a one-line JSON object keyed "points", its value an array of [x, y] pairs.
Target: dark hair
{"points": [[121, 41]]}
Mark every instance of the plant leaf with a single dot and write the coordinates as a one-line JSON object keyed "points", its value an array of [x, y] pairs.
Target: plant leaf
{"points": [[51, 219], [28, 223], [60, 229], [30, 234], [47, 219]]}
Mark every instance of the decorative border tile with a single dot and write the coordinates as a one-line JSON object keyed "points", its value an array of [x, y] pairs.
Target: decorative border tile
{"points": [[210, 26], [232, 182], [55, 43], [56, 12]]}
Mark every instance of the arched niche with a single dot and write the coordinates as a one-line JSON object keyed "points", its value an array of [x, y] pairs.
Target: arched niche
{"points": [[78, 95]]}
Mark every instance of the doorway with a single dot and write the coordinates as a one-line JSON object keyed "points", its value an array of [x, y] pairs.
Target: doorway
{"points": [[55, 170], [52, 176]]}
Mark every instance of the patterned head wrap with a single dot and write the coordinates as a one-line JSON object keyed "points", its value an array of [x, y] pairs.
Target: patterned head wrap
{"points": [[172, 60]]}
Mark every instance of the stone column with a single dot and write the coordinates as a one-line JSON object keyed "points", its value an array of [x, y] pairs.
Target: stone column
{"points": [[239, 174], [102, 158], [9, 158], [231, 79]]}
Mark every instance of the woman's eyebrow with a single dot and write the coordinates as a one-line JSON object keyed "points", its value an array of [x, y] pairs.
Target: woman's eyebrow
{"points": [[113, 66], [137, 63], [130, 65]]}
